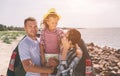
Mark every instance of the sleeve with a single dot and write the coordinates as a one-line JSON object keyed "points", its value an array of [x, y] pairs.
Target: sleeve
{"points": [[63, 63], [61, 33], [62, 67], [74, 62], [24, 51], [42, 37]]}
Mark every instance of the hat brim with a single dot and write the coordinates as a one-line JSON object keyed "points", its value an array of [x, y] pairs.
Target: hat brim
{"points": [[44, 17]]}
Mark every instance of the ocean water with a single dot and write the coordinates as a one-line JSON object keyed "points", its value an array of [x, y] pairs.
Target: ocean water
{"points": [[102, 36]]}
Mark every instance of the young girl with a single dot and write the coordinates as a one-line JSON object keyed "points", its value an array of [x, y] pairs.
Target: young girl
{"points": [[50, 37]]}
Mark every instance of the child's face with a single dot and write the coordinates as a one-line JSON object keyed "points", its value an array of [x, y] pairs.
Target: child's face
{"points": [[52, 22]]}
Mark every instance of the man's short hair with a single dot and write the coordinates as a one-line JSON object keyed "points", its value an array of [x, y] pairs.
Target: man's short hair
{"points": [[29, 19], [74, 36]]}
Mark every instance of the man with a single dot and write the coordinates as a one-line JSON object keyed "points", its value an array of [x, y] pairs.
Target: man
{"points": [[29, 50]]}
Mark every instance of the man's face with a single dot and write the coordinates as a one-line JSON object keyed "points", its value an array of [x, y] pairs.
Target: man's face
{"points": [[52, 22], [31, 28]]}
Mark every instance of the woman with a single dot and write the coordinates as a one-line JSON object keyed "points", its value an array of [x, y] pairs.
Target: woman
{"points": [[71, 53], [74, 57]]}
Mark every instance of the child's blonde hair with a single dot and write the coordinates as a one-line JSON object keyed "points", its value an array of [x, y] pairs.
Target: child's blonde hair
{"points": [[51, 13]]}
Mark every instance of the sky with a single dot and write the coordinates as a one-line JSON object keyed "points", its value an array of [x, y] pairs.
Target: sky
{"points": [[74, 13]]}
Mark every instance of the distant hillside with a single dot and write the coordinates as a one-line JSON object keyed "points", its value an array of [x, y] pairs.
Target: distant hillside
{"points": [[65, 28]]}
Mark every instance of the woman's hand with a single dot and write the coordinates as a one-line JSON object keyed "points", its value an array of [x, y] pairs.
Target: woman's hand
{"points": [[65, 47], [65, 44]]}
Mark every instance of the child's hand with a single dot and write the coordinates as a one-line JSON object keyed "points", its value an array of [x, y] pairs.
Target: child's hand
{"points": [[53, 62]]}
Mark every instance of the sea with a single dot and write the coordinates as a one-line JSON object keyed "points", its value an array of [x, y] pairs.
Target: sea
{"points": [[102, 36]]}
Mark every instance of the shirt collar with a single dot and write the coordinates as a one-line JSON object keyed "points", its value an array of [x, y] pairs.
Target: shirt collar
{"points": [[31, 39]]}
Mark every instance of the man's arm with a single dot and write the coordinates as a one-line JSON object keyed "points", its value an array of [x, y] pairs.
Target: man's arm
{"points": [[29, 66]]}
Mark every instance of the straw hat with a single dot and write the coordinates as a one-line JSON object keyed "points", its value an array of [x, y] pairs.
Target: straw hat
{"points": [[51, 11]]}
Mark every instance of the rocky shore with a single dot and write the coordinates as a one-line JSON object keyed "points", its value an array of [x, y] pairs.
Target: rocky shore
{"points": [[106, 60]]}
